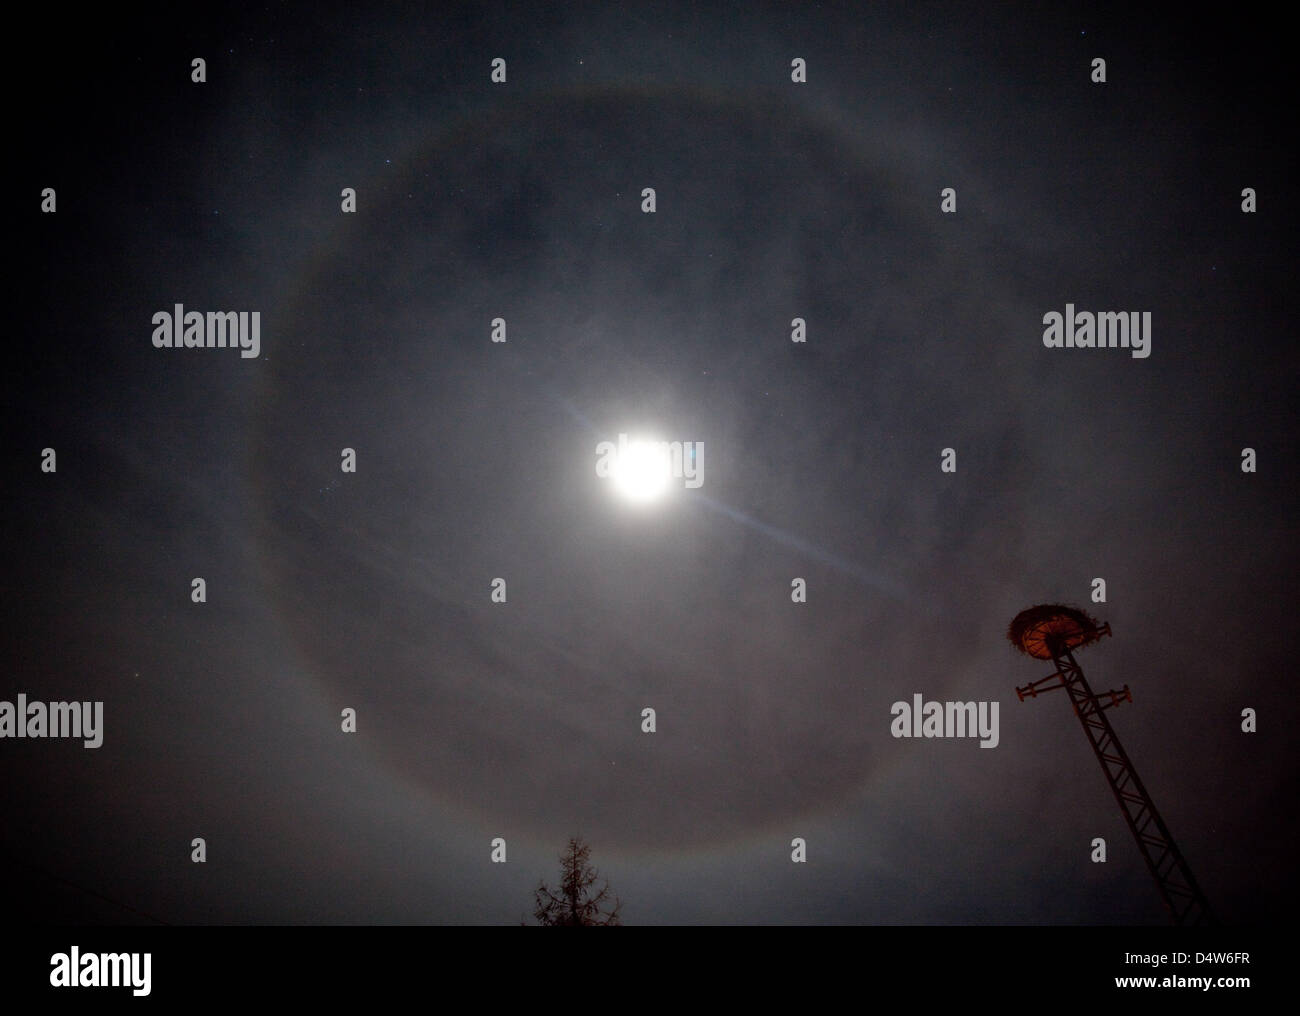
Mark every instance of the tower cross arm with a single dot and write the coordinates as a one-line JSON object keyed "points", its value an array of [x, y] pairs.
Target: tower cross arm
{"points": [[1036, 688]]}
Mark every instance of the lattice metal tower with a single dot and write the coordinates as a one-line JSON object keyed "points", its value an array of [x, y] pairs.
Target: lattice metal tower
{"points": [[1051, 632]]}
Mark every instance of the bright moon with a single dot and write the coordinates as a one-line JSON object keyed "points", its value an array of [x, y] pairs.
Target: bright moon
{"points": [[642, 472]]}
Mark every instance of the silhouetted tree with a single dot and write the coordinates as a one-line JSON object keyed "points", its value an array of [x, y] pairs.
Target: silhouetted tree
{"points": [[573, 903]]}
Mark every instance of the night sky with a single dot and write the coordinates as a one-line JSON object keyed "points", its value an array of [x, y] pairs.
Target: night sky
{"points": [[820, 460]]}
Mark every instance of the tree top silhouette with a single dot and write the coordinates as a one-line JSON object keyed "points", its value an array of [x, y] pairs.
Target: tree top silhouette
{"points": [[575, 902]]}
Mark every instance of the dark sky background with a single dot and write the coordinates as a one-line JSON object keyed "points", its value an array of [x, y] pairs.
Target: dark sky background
{"points": [[476, 460]]}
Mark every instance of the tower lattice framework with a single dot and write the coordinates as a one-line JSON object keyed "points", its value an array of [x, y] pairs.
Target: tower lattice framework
{"points": [[1052, 632]]}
